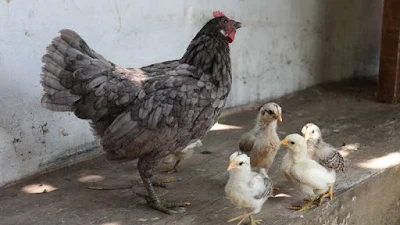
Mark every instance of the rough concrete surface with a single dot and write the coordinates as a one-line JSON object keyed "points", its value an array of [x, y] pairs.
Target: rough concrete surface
{"points": [[367, 193], [286, 46]]}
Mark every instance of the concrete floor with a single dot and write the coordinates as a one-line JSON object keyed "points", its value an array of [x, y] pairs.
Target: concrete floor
{"points": [[367, 193]]}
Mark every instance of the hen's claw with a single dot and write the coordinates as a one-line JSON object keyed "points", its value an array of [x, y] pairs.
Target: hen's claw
{"points": [[163, 206]]}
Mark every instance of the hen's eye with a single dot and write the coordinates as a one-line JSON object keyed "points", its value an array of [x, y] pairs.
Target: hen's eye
{"points": [[241, 163], [270, 112], [225, 21], [292, 142]]}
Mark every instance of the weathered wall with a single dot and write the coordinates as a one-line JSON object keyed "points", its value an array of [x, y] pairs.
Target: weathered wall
{"points": [[286, 46]]}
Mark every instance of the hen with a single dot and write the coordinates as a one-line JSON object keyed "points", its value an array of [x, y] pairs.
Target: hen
{"points": [[145, 113]]}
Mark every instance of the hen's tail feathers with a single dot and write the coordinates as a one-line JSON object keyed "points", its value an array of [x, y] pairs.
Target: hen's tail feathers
{"points": [[69, 59]]}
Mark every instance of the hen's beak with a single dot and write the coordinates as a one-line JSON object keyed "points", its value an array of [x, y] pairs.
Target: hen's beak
{"points": [[279, 117], [284, 143], [232, 165], [238, 25]]}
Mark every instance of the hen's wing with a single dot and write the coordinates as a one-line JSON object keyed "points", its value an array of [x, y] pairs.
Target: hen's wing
{"points": [[168, 112], [246, 142]]}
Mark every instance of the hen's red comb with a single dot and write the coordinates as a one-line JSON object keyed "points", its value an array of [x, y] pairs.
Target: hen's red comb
{"points": [[218, 14]]}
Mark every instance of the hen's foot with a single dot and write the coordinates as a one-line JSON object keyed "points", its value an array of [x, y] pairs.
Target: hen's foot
{"points": [[241, 218], [165, 207]]}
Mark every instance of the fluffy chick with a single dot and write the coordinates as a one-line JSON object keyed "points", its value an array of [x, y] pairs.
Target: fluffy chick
{"points": [[262, 142], [178, 156], [246, 187], [324, 153], [312, 178]]}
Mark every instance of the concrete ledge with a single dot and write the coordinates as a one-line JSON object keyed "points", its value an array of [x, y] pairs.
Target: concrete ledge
{"points": [[368, 193]]}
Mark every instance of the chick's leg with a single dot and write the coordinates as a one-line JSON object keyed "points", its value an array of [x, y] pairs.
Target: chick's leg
{"points": [[173, 169], [253, 221], [146, 172], [305, 207], [241, 218]]}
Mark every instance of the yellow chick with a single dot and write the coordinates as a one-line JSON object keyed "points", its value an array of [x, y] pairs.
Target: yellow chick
{"points": [[312, 178], [178, 156], [246, 187], [262, 142]]}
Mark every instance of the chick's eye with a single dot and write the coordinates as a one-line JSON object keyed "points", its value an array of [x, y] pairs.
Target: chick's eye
{"points": [[241, 163], [270, 112], [313, 131], [292, 142]]}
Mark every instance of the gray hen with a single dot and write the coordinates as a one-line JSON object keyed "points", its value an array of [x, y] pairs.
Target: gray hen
{"points": [[145, 113]]}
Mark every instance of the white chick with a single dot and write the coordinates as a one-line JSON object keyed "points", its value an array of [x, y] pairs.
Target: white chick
{"points": [[247, 188], [322, 152], [312, 178], [286, 165], [262, 142], [178, 156]]}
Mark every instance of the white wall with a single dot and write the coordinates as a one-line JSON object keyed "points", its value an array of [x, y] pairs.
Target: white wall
{"points": [[286, 45]]}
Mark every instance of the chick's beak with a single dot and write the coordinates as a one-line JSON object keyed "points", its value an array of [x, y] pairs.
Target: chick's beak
{"points": [[284, 143], [306, 136], [238, 25], [279, 117], [232, 165]]}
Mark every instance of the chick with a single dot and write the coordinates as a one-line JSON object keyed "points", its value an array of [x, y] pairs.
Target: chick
{"points": [[312, 178], [287, 163], [322, 152], [177, 157], [262, 142], [247, 188]]}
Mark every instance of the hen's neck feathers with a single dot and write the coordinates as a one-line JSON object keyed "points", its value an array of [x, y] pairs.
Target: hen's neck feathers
{"points": [[210, 55]]}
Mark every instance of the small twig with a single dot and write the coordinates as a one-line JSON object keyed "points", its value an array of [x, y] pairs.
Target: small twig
{"points": [[110, 188]]}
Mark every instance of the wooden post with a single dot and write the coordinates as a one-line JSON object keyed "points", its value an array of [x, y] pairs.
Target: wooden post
{"points": [[389, 68]]}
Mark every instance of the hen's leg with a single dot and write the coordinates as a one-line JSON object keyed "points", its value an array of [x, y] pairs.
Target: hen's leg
{"points": [[146, 172]]}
